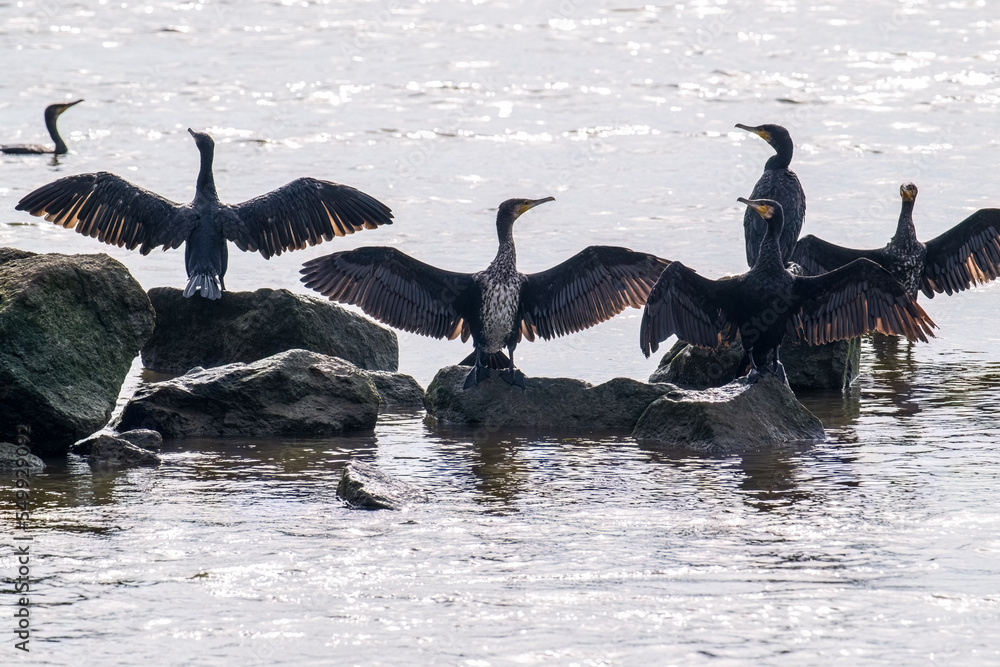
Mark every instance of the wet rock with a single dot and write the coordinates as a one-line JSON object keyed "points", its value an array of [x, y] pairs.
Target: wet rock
{"points": [[545, 402], [364, 486], [249, 326], [807, 367], [296, 392], [398, 391], [109, 452], [735, 418], [70, 327], [11, 460], [143, 437]]}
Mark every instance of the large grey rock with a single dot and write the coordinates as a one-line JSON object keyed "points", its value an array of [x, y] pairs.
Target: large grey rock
{"points": [[735, 418], [109, 452], [140, 437], [12, 459], [70, 327], [364, 486], [296, 392], [807, 367], [545, 402], [249, 326]]}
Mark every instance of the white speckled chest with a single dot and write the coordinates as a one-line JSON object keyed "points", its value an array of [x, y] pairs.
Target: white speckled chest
{"points": [[500, 300]]}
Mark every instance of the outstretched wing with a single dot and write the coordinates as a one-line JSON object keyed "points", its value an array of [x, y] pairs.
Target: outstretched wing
{"points": [[305, 211], [110, 209], [853, 300], [967, 254], [693, 308], [395, 289], [817, 256], [590, 287]]}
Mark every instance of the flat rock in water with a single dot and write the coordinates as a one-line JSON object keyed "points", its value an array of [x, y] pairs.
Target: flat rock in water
{"points": [[364, 486], [562, 403], [807, 367], [249, 326], [140, 437], [70, 327], [109, 452], [296, 392], [732, 419], [11, 460]]}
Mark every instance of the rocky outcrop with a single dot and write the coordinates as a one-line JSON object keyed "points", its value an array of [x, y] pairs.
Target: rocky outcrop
{"points": [[108, 451], [364, 486], [70, 327], [544, 402], [249, 326], [735, 418], [292, 393], [807, 367], [14, 458]]}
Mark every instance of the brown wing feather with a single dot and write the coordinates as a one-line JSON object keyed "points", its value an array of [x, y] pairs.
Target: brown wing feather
{"points": [[590, 287], [112, 210], [856, 299], [693, 308], [304, 212], [396, 289], [968, 254]]}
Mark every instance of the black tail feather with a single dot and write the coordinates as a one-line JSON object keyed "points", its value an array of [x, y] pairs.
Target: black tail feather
{"points": [[205, 285]]}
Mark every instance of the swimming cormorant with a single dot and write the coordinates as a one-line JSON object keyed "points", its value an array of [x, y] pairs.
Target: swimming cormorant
{"points": [[110, 209], [496, 306], [52, 113], [968, 254], [779, 183], [769, 301]]}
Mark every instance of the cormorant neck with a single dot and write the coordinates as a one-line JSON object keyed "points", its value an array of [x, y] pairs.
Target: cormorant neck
{"points": [[505, 232], [781, 159], [206, 179], [905, 228], [50, 125]]}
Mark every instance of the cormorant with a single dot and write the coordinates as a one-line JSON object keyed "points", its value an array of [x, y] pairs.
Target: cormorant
{"points": [[779, 183], [52, 113], [769, 301], [110, 209], [967, 254], [496, 306]]}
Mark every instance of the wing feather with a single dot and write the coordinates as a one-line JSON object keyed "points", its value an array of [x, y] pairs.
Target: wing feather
{"points": [[966, 255], [817, 256]]}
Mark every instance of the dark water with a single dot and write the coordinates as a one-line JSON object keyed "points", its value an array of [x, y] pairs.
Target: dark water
{"points": [[881, 544]]}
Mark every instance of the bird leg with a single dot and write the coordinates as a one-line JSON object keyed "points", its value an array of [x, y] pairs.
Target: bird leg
{"points": [[754, 374], [478, 373], [512, 376], [779, 369]]}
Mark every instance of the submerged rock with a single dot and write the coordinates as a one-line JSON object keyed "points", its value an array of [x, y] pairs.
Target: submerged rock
{"points": [[296, 392], [544, 402], [807, 367], [142, 437], [364, 486], [735, 418], [398, 391], [108, 451], [249, 326], [11, 459], [70, 327]]}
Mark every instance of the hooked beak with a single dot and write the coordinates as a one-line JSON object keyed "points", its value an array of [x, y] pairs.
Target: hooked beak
{"points": [[908, 191], [760, 208], [533, 204], [68, 105], [763, 134]]}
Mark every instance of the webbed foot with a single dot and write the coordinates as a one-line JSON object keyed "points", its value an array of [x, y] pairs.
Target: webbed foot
{"points": [[513, 377], [475, 376]]}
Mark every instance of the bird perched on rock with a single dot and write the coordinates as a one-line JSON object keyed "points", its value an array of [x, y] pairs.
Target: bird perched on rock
{"points": [[497, 306], [110, 209], [52, 113], [768, 301], [779, 183], [966, 255]]}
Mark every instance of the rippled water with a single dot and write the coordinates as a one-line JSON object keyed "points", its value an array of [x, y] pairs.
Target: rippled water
{"points": [[880, 544]]}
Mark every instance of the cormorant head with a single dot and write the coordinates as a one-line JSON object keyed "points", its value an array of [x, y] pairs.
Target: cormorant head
{"points": [[768, 209], [511, 209], [53, 111], [908, 191], [202, 141], [775, 135]]}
